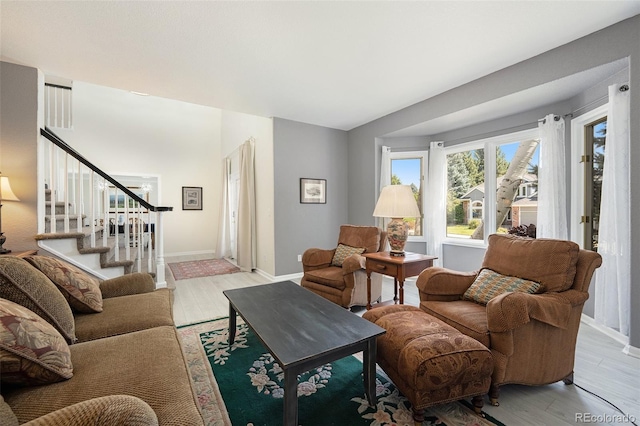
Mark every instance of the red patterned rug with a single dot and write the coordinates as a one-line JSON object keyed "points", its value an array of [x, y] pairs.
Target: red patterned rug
{"points": [[201, 268]]}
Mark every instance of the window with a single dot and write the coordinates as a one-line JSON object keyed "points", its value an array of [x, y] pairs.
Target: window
{"points": [[409, 168], [595, 133], [492, 185], [588, 133]]}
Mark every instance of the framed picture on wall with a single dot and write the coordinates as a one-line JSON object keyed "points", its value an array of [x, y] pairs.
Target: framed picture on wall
{"points": [[313, 191], [191, 198]]}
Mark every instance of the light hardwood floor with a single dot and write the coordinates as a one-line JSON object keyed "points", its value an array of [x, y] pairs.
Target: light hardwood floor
{"points": [[600, 365]]}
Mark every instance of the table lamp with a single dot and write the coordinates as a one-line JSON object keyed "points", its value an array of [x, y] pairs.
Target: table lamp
{"points": [[397, 202], [6, 194]]}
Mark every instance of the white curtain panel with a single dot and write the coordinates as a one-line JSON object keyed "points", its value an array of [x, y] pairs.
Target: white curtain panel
{"points": [[247, 247], [613, 278], [385, 177], [435, 214], [223, 247], [552, 187]]}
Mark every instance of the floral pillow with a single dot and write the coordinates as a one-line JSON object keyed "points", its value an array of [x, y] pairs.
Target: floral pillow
{"points": [[344, 251], [489, 284], [32, 352], [80, 289]]}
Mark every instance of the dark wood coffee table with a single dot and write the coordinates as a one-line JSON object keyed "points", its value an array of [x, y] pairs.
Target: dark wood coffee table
{"points": [[303, 330]]}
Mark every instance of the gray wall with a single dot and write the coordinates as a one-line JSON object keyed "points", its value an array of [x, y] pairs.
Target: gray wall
{"points": [[307, 151], [610, 44], [19, 133]]}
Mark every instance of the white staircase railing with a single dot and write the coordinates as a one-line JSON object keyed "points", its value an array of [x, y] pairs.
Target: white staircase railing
{"points": [[85, 200]]}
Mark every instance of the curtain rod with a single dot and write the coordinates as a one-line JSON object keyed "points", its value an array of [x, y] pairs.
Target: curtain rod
{"points": [[623, 88]]}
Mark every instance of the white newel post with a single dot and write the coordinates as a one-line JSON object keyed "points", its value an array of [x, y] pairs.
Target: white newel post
{"points": [[160, 279]]}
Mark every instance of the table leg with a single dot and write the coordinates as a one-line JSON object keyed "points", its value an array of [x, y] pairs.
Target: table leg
{"points": [[232, 324], [290, 398], [368, 290], [402, 292], [369, 371], [395, 289]]}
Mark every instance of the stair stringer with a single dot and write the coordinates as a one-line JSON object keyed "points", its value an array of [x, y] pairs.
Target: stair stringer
{"points": [[70, 247]]}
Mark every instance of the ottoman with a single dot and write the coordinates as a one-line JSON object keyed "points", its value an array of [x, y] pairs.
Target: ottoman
{"points": [[429, 361]]}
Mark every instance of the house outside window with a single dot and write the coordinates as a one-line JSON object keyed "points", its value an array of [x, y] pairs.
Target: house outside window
{"points": [[492, 185]]}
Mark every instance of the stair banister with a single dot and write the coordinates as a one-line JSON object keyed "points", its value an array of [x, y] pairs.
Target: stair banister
{"points": [[134, 236]]}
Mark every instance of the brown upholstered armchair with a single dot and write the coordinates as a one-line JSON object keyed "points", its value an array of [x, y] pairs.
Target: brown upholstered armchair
{"points": [[338, 275], [532, 336]]}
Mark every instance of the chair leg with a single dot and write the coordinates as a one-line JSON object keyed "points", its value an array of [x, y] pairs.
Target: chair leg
{"points": [[494, 394], [569, 379], [478, 403], [418, 416]]}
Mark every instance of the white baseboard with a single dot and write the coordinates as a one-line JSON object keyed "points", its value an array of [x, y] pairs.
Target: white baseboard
{"points": [[190, 253], [278, 278], [631, 351], [618, 337]]}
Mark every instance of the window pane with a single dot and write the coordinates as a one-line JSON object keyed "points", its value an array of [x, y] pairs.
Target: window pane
{"points": [[408, 171], [596, 133], [465, 193], [517, 186]]}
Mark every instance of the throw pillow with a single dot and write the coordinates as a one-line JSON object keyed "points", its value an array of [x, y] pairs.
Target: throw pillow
{"points": [[80, 289], [489, 284], [344, 251], [32, 352], [25, 285]]}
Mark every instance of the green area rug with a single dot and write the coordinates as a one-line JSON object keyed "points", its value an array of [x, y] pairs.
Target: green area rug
{"points": [[241, 386]]}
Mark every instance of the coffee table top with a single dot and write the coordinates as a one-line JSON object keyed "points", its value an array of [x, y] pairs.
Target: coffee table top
{"points": [[296, 324]]}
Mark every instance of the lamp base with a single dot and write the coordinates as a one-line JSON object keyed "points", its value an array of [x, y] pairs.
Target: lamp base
{"points": [[397, 232], [2, 240]]}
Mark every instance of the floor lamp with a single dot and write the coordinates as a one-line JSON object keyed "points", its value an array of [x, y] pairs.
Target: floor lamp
{"points": [[6, 194]]}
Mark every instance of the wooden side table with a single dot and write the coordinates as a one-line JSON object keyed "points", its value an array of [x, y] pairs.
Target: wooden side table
{"points": [[409, 265]]}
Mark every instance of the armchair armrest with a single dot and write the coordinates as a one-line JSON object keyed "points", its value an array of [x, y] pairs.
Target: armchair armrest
{"points": [[113, 410], [315, 258], [134, 283], [443, 284], [353, 263], [515, 309]]}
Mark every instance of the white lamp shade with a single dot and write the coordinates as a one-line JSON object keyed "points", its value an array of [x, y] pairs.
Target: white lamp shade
{"points": [[396, 201], [6, 194]]}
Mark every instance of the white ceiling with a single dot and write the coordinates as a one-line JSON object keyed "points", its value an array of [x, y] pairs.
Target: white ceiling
{"points": [[334, 64]]}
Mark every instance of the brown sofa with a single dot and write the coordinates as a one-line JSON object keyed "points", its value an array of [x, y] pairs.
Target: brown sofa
{"points": [[532, 335], [127, 361]]}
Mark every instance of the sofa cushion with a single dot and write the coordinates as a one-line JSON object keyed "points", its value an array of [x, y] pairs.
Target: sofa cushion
{"points": [[80, 289], [6, 414], [32, 352], [126, 314], [489, 284], [344, 251], [360, 236], [552, 263], [147, 364], [25, 285]]}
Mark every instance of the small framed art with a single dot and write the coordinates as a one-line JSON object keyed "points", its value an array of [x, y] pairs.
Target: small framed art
{"points": [[191, 198], [313, 191]]}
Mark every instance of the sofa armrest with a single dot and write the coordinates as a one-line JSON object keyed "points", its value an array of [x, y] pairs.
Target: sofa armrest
{"points": [[134, 283], [315, 258], [114, 410], [443, 284], [511, 310]]}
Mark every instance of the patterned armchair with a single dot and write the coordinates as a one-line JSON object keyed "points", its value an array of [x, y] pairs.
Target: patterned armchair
{"points": [[338, 274], [531, 332]]}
